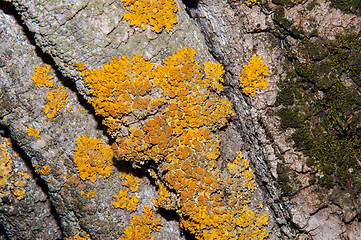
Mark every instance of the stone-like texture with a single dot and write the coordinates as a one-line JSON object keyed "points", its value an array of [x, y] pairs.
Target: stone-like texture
{"points": [[22, 106], [234, 32], [32, 216], [92, 32]]}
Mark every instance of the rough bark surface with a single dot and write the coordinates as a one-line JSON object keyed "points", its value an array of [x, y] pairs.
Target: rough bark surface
{"points": [[63, 33], [234, 32]]}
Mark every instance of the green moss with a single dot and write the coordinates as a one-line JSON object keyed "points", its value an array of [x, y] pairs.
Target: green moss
{"points": [[286, 3], [347, 6], [326, 181], [345, 55], [312, 179], [289, 118], [311, 5], [279, 17], [285, 95], [283, 178], [316, 51], [304, 69], [325, 112], [310, 162]]}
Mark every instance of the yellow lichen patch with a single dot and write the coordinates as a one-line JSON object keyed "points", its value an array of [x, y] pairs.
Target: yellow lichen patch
{"points": [[79, 66], [18, 184], [81, 235], [214, 73], [92, 157], [116, 86], [33, 132], [164, 199], [250, 2], [56, 101], [251, 76], [131, 181], [178, 134], [9, 181], [158, 14], [41, 76], [91, 194], [141, 228], [69, 108], [81, 109], [42, 170], [124, 200], [5, 169]]}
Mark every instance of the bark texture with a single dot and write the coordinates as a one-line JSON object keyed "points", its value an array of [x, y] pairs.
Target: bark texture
{"points": [[230, 32]]}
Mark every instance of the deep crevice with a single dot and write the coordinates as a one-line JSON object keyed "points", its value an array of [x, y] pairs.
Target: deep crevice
{"points": [[3, 232], [191, 3]]}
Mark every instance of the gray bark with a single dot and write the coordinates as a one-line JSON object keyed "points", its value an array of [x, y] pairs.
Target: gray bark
{"points": [[40, 32]]}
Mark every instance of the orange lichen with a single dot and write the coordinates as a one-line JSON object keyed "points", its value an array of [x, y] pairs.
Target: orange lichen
{"points": [[173, 111], [251, 78], [5, 170], [42, 170], [124, 200], [91, 194], [158, 14], [56, 101], [81, 235], [41, 76], [214, 73], [79, 66], [131, 181], [92, 157], [69, 16], [33, 132], [9, 181], [81, 109], [141, 228], [250, 2], [72, 181], [69, 108]]}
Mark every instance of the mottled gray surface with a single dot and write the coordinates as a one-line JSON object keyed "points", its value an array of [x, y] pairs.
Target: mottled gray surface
{"points": [[22, 104], [233, 33], [66, 32]]}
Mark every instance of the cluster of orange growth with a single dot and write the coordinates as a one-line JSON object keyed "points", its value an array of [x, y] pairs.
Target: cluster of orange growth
{"points": [[56, 101], [41, 76], [141, 228], [123, 199], [92, 157], [9, 181], [5, 169], [81, 235], [249, 2], [132, 182], [90, 194], [42, 170], [33, 132], [158, 14], [167, 114], [164, 197], [251, 77], [56, 98]]}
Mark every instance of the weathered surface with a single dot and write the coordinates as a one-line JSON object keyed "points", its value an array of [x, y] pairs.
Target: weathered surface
{"points": [[93, 32], [22, 105], [65, 34], [234, 32]]}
